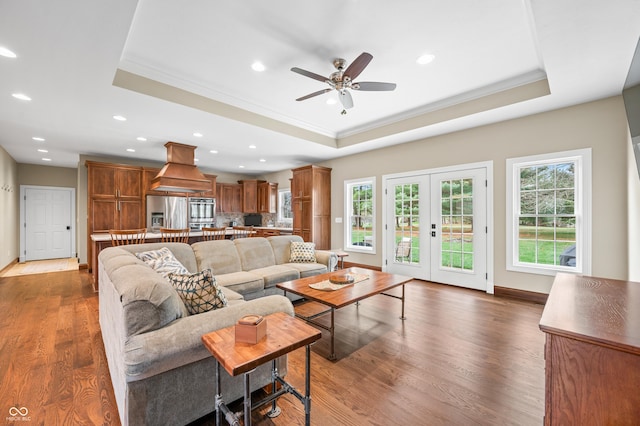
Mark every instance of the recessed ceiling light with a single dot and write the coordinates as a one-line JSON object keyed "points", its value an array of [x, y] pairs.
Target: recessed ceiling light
{"points": [[6, 52], [425, 59], [119, 118], [331, 101], [21, 96], [262, 160], [197, 135], [43, 150], [252, 146], [131, 150], [141, 139], [241, 167], [37, 138], [213, 151], [46, 159], [258, 66]]}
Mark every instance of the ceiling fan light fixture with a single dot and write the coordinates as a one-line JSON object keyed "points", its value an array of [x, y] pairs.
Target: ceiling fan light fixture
{"points": [[425, 59]]}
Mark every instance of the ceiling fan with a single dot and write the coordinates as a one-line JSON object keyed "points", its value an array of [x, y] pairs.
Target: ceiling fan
{"points": [[342, 79]]}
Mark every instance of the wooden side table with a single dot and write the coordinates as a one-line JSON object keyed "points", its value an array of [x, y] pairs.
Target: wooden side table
{"points": [[341, 255], [284, 334]]}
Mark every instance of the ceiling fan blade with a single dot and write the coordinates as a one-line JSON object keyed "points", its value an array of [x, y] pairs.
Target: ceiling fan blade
{"points": [[346, 99], [309, 74], [358, 65], [373, 86], [311, 95]]}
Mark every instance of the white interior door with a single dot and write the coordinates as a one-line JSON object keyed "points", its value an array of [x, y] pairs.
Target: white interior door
{"points": [[48, 223], [436, 227]]}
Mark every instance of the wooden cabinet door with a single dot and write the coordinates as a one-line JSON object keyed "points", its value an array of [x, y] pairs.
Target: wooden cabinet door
{"points": [[129, 183], [236, 198], [249, 196], [103, 215], [102, 181], [130, 214]]}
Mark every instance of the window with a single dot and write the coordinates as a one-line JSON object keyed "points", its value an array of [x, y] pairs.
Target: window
{"points": [[284, 206], [359, 214], [549, 213]]}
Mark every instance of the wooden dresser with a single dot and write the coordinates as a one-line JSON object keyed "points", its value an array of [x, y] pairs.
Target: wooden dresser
{"points": [[592, 351]]}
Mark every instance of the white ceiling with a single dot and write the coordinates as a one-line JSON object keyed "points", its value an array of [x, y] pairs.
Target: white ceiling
{"points": [[173, 68]]}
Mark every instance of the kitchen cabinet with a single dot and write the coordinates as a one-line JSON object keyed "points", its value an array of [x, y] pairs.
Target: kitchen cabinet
{"points": [[249, 195], [229, 198], [311, 204], [592, 351], [267, 197], [115, 198]]}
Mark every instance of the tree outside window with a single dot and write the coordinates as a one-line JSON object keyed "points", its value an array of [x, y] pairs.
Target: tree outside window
{"points": [[285, 214], [360, 217]]}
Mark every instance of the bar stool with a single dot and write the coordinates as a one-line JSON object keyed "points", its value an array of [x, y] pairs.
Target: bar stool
{"points": [[120, 237], [242, 231], [171, 235], [209, 234]]}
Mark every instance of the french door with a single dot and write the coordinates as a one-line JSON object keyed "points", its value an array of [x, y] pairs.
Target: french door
{"points": [[436, 227]]}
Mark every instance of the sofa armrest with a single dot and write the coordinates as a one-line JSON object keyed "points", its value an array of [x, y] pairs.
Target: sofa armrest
{"points": [[180, 343], [327, 258]]}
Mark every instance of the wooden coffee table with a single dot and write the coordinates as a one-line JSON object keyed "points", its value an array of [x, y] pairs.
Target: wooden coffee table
{"points": [[284, 334], [376, 283]]}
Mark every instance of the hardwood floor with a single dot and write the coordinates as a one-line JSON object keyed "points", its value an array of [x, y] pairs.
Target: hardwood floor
{"points": [[461, 357]]}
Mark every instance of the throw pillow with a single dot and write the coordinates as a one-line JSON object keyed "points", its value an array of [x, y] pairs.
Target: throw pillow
{"points": [[199, 292], [162, 261], [302, 252]]}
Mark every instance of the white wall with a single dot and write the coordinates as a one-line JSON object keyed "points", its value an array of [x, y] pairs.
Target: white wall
{"points": [[10, 208]]}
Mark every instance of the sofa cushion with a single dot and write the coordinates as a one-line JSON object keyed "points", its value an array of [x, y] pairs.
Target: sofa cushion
{"points": [[241, 282], [162, 261], [199, 292], [281, 246], [220, 256], [182, 251], [254, 253], [302, 252], [307, 269], [148, 300], [275, 274]]}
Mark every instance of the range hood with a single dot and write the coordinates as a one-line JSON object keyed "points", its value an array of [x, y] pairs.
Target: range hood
{"points": [[180, 173]]}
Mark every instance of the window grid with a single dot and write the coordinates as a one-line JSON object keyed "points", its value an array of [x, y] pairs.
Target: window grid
{"points": [[457, 224]]}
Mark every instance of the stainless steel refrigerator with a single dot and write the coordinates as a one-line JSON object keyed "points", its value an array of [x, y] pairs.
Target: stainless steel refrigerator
{"points": [[166, 212]]}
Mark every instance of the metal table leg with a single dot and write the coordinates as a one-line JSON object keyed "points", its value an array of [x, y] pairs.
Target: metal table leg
{"points": [[332, 357], [247, 399], [307, 386]]}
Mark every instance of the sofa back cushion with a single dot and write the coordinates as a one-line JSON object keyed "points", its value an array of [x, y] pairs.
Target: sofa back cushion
{"points": [[281, 246], [149, 302], [181, 251], [255, 252], [220, 256]]}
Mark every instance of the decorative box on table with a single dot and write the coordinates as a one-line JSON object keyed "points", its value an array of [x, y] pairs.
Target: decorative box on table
{"points": [[250, 329]]}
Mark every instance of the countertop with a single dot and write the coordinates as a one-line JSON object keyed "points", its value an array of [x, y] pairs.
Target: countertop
{"points": [[158, 235]]}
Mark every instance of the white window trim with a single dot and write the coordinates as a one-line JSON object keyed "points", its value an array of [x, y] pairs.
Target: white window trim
{"points": [[347, 215], [280, 204], [582, 157]]}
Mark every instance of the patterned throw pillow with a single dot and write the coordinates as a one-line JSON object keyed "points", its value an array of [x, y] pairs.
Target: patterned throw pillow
{"points": [[199, 292], [162, 261], [302, 252]]}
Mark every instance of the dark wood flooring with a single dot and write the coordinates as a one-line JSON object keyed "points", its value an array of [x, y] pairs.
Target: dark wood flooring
{"points": [[461, 357]]}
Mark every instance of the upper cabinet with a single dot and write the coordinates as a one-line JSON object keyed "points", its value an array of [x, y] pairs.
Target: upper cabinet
{"points": [[311, 204], [228, 198], [249, 195], [267, 197]]}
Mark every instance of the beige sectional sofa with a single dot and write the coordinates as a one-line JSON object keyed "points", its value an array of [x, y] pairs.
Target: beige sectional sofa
{"points": [[161, 372]]}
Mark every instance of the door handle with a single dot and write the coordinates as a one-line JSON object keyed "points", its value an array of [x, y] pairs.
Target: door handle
{"points": [[68, 228], [433, 233]]}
